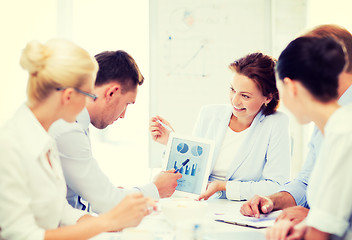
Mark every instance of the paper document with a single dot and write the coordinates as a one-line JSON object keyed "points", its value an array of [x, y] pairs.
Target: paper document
{"points": [[265, 220]]}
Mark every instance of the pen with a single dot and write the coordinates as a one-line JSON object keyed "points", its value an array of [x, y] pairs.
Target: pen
{"points": [[165, 126], [182, 165]]}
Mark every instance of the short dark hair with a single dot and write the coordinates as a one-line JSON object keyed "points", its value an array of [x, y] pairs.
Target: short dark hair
{"points": [[316, 63], [261, 69], [118, 66], [340, 34]]}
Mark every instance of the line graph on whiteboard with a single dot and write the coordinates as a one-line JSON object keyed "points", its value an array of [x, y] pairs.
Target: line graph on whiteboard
{"points": [[189, 41]]}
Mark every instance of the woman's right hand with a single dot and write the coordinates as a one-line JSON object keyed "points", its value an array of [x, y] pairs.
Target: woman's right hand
{"points": [[129, 212], [159, 133]]}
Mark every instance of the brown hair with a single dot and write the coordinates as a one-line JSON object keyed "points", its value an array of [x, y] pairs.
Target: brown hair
{"points": [[340, 34], [118, 66], [261, 69]]}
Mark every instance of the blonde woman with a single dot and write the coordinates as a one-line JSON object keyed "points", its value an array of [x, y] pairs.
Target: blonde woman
{"points": [[33, 191]]}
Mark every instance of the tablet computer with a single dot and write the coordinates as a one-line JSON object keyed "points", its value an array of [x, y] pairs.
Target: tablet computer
{"points": [[198, 153]]}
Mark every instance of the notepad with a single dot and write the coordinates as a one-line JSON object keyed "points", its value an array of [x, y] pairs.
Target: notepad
{"points": [[265, 220]]}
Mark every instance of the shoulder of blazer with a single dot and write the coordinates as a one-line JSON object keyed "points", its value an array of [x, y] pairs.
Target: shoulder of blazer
{"points": [[277, 118]]}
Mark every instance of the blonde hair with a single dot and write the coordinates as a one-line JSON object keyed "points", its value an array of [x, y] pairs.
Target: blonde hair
{"points": [[57, 63]]}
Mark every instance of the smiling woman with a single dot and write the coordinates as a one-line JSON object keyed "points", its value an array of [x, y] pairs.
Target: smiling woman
{"points": [[252, 143], [252, 89]]}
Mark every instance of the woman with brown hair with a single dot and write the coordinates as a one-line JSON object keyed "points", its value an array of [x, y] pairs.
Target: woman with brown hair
{"points": [[252, 142]]}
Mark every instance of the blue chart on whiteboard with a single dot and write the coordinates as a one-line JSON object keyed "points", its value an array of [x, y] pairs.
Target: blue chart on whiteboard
{"points": [[193, 172]]}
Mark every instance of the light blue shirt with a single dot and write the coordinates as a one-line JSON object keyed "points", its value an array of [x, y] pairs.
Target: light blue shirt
{"points": [[298, 187], [262, 163], [85, 181]]}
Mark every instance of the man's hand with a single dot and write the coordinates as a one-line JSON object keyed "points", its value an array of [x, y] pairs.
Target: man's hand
{"points": [[212, 188], [257, 205], [294, 214], [166, 182]]}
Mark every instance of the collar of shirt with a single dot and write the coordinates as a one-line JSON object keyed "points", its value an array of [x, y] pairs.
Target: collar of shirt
{"points": [[30, 128], [331, 126], [346, 97], [83, 119]]}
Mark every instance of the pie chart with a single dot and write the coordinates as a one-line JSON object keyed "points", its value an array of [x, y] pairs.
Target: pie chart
{"points": [[182, 148], [197, 151]]}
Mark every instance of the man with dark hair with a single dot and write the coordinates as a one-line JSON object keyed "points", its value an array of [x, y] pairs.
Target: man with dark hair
{"points": [[88, 187], [292, 196]]}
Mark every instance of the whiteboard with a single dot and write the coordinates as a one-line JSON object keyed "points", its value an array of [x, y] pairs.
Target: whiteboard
{"points": [[193, 42]]}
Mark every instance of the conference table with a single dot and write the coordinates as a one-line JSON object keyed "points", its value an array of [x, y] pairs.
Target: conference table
{"points": [[157, 227]]}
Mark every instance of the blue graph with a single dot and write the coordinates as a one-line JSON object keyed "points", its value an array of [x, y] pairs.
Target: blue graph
{"points": [[194, 168], [197, 151], [187, 170], [182, 148]]}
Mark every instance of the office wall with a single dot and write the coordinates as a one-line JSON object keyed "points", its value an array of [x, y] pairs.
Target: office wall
{"points": [[108, 25], [99, 25], [96, 25], [330, 12], [20, 22]]}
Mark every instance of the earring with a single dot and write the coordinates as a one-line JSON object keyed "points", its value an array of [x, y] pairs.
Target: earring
{"points": [[265, 104]]}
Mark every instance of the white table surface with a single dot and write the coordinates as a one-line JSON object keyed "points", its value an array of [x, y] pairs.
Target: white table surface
{"points": [[157, 226]]}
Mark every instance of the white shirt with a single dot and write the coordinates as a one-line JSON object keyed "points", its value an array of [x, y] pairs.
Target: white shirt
{"points": [[85, 180], [231, 145], [32, 196], [329, 190]]}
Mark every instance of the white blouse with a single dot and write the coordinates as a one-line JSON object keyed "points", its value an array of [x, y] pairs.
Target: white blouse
{"points": [[33, 193], [229, 148]]}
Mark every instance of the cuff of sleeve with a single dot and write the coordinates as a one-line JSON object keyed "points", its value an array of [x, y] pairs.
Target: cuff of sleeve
{"points": [[233, 190], [39, 234], [71, 215], [150, 190], [327, 223], [297, 191]]}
